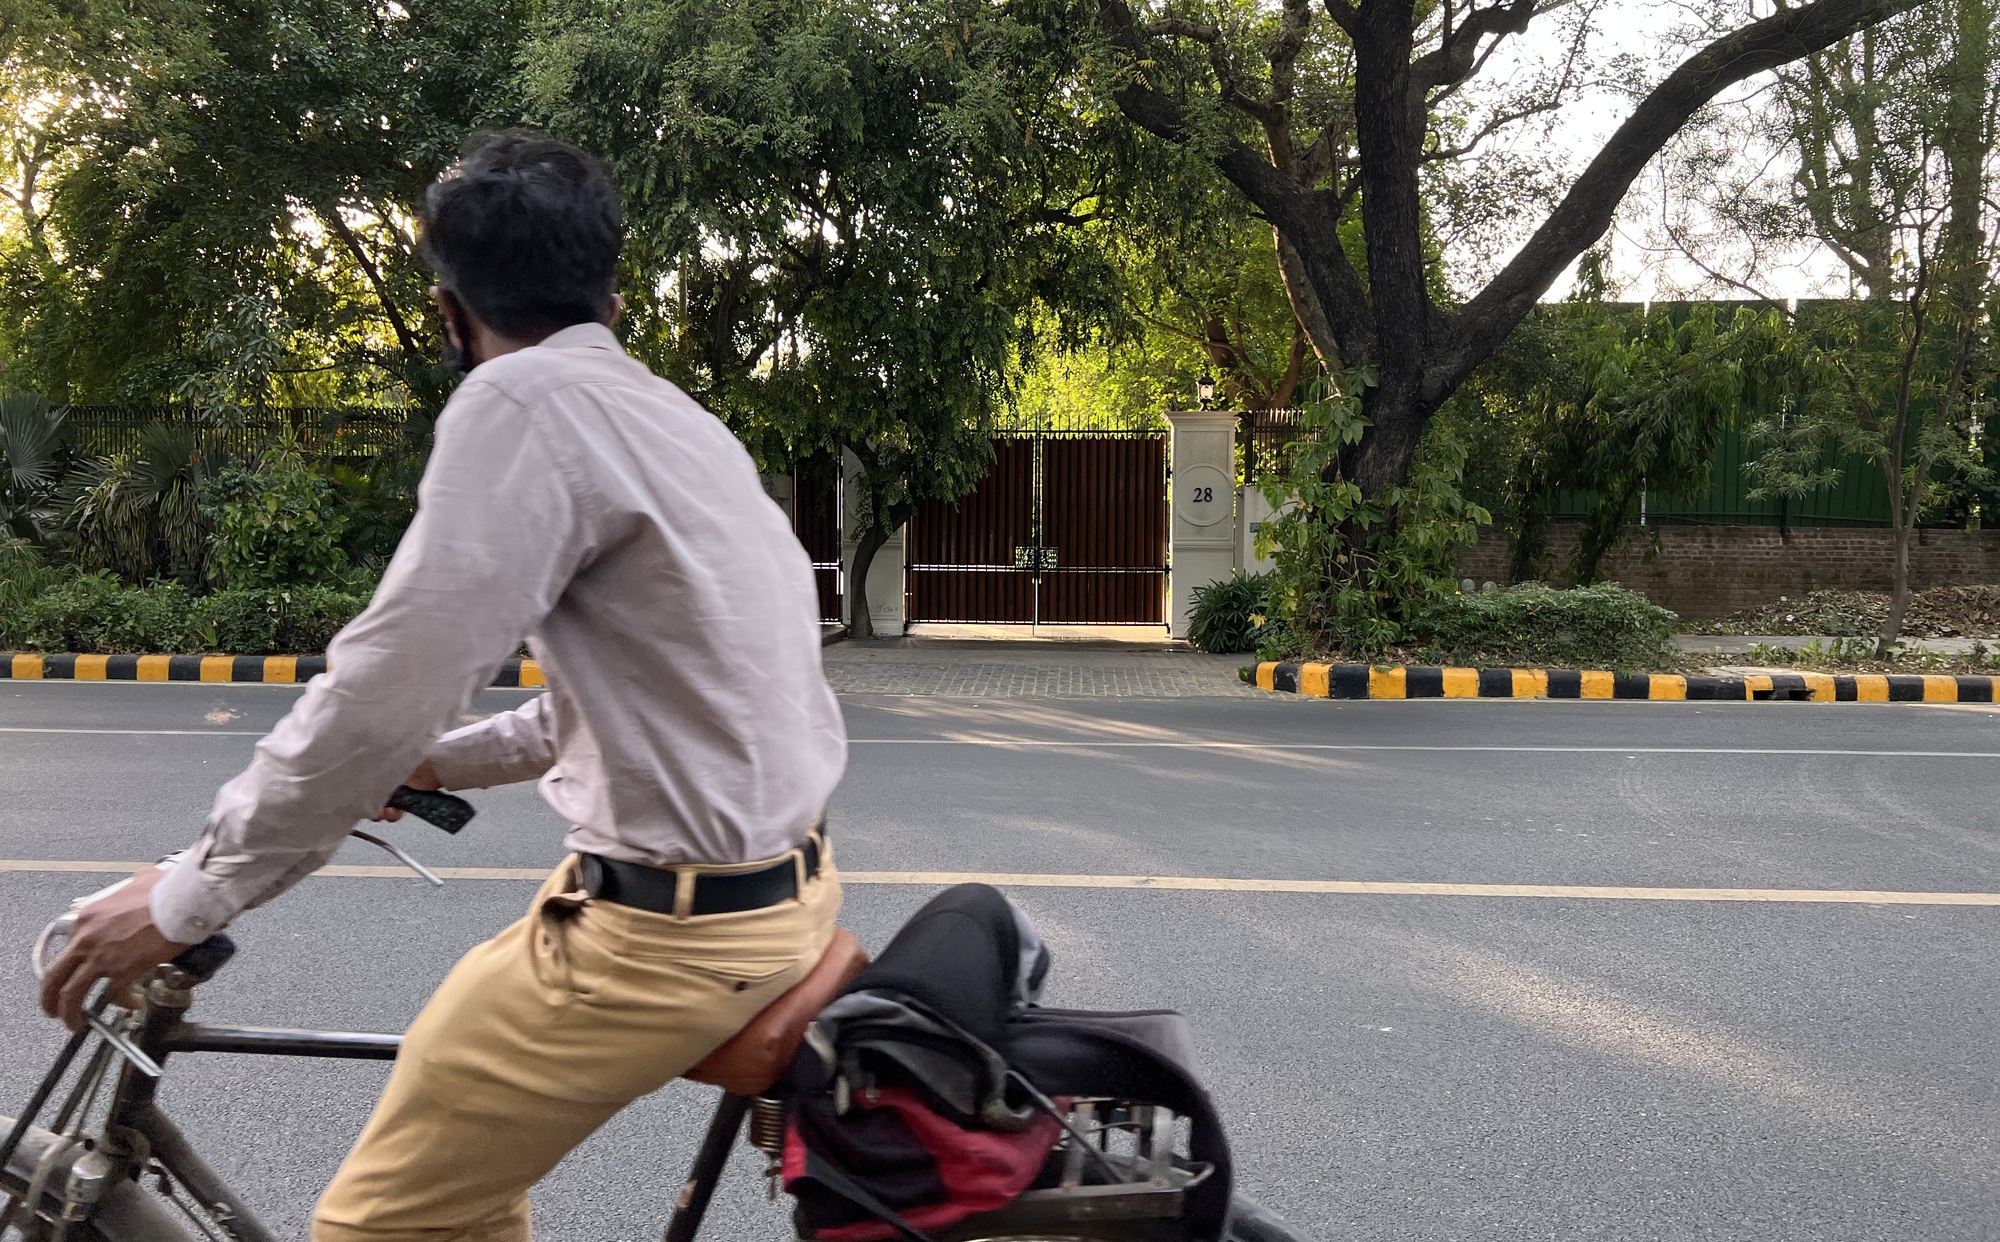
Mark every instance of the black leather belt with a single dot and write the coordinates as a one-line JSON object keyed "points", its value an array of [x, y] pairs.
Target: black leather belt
{"points": [[655, 889]]}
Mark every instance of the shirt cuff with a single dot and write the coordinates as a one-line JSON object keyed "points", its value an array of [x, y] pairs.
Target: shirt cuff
{"points": [[189, 905]]}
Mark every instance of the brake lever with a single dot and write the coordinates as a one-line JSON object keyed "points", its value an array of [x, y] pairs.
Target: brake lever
{"points": [[400, 856]]}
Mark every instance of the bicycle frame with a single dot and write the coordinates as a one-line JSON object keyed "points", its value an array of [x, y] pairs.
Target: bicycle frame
{"points": [[138, 1133]]}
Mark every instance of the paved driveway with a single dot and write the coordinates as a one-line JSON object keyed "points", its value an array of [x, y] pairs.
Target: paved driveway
{"points": [[1428, 1064]]}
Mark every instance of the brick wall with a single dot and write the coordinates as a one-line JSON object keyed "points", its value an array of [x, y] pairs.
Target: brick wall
{"points": [[1706, 571]]}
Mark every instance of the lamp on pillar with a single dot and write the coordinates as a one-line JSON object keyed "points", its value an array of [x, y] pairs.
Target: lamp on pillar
{"points": [[1204, 390]]}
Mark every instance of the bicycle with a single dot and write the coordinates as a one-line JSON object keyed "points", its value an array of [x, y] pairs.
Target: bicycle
{"points": [[1121, 1178]]}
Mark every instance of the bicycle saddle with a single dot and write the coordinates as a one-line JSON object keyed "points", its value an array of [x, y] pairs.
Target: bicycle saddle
{"points": [[753, 1058]]}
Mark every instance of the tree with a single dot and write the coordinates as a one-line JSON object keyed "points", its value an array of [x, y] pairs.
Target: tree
{"points": [[1616, 402], [1894, 137], [843, 220], [217, 203], [1322, 118]]}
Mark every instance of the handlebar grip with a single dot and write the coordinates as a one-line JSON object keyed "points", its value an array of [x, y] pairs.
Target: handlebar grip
{"points": [[200, 962], [446, 811]]}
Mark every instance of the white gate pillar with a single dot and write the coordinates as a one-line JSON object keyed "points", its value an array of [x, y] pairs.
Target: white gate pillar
{"points": [[1202, 499], [885, 572]]}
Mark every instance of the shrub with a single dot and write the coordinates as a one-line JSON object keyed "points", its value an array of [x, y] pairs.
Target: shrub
{"points": [[94, 614], [24, 577], [1602, 626], [292, 621], [275, 526], [1228, 616]]}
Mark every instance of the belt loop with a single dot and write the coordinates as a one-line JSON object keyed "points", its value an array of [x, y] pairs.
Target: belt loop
{"points": [[683, 892], [799, 869]]}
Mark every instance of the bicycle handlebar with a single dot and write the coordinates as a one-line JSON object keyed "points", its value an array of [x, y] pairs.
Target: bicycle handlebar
{"points": [[434, 806], [200, 962]]}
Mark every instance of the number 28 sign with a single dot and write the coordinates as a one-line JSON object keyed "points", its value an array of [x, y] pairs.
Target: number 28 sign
{"points": [[1202, 495]]}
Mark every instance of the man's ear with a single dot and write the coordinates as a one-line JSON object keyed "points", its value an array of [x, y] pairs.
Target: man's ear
{"points": [[617, 309]]}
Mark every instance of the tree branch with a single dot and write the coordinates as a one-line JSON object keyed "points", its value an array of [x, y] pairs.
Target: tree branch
{"points": [[1586, 211], [330, 216], [1453, 59], [1291, 208]]}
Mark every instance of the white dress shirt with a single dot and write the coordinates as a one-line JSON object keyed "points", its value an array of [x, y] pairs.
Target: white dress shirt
{"points": [[578, 501]]}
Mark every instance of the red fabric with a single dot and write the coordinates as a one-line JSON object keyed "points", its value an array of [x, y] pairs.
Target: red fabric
{"points": [[981, 1169]]}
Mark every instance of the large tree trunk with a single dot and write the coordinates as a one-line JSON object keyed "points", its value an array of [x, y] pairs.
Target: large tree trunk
{"points": [[1421, 352], [859, 623]]}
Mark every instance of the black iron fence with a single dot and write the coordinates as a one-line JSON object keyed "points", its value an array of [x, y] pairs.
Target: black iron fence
{"points": [[324, 432]]}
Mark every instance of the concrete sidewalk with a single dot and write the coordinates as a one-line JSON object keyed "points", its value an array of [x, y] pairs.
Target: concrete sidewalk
{"points": [[1022, 668]]}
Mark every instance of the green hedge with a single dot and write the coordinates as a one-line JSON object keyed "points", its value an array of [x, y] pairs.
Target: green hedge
{"points": [[1602, 626], [93, 614]]}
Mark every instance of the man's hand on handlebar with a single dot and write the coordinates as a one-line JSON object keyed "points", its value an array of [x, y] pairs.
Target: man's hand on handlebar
{"points": [[425, 777], [114, 938]]}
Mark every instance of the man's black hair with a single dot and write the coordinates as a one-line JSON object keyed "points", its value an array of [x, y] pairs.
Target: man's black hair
{"points": [[525, 233]]}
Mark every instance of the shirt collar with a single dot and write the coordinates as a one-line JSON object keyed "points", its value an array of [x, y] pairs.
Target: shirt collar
{"points": [[581, 336]]}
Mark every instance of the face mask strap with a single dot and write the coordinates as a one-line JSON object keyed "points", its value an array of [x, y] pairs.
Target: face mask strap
{"points": [[456, 358]]}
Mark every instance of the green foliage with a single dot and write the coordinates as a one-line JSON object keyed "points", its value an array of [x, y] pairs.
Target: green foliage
{"points": [[24, 577], [214, 202], [299, 620], [276, 526], [1603, 626], [1612, 402], [1351, 574], [376, 502], [846, 214], [94, 614], [1228, 616], [139, 514], [31, 463]]}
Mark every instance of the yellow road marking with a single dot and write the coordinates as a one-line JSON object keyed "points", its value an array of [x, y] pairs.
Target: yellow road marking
{"points": [[153, 667], [90, 667], [1461, 683], [1315, 680], [1188, 883], [1666, 686], [281, 668], [1595, 685], [27, 667], [1388, 683], [217, 668], [1531, 683], [1870, 688]]}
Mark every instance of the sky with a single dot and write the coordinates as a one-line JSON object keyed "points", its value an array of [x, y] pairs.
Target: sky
{"points": [[1640, 41]]}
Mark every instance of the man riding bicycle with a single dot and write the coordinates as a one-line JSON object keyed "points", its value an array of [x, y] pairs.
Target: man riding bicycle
{"points": [[578, 502]]}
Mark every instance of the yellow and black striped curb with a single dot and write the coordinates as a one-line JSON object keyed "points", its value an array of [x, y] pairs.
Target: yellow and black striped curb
{"points": [[266, 669], [1362, 681]]}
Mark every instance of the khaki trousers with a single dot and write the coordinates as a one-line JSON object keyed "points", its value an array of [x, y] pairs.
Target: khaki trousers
{"points": [[539, 1035]]}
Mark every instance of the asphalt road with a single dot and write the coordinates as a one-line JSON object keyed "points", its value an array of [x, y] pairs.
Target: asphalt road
{"points": [[1391, 1067]]}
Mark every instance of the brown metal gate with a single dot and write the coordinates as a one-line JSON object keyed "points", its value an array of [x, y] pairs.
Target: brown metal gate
{"points": [[816, 521], [1067, 528]]}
